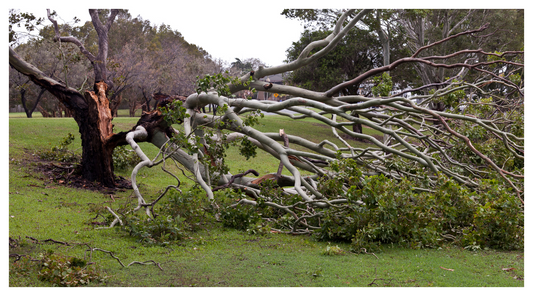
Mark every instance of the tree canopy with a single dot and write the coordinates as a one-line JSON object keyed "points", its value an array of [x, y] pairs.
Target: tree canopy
{"points": [[393, 34]]}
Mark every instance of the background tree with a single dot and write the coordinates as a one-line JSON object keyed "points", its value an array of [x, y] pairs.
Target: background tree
{"points": [[418, 28], [60, 62], [424, 27], [357, 53], [21, 19], [22, 90], [239, 67], [153, 59]]}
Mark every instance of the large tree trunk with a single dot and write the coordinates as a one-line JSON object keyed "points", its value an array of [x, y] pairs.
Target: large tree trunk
{"points": [[95, 129], [94, 114]]}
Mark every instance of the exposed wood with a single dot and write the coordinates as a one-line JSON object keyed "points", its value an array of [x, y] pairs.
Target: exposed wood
{"points": [[286, 144], [264, 178], [100, 111]]}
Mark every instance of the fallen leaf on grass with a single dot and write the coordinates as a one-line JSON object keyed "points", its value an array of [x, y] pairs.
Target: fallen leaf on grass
{"points": [[508, 269], [446, 269]]}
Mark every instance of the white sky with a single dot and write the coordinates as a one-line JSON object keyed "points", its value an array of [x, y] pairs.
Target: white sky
{"points": [[225, 29]]}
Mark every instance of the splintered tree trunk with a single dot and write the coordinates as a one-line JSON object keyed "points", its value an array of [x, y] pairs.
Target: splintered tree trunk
{"points": [[95, 128]]}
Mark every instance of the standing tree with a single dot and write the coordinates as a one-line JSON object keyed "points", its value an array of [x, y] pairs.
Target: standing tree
{"points": [[21, 88], [90, 109], [418, 150]]}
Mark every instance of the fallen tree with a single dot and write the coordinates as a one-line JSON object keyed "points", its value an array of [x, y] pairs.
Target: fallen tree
{"points": [[423, 143], [480, 135]]}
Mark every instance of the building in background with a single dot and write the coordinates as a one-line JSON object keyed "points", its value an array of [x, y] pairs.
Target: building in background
{"points": [[274, 79]]}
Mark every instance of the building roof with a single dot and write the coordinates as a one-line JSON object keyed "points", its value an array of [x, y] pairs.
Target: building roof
{"points": [[276, 78]]}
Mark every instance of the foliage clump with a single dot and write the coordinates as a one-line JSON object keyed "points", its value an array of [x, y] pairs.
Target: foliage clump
{"points": [[240, 217], [59, 270], [385, 211], [61, 152], [333, 250], [66, 271], [179, 216], [379, 211], [397, 212], [124, 159]]}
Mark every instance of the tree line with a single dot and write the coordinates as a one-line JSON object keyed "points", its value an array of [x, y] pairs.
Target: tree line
{"points": [[143, 59]]}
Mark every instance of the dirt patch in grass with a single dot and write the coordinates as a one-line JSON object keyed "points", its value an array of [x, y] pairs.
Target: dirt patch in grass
{"points": [[69, 175]]}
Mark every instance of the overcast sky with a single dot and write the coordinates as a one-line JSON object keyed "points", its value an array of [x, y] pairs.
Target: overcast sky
{"points": [[225, 29]]}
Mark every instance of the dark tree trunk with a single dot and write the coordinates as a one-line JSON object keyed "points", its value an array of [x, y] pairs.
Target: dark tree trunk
{"points": [[95, 129], [29, 111], [357, 127], [147, 100], [115, 104], [23, 100], [146, 105]]}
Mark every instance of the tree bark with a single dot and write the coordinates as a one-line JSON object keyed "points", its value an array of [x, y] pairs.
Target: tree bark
{"points": [[95, 129], [115, 104]]}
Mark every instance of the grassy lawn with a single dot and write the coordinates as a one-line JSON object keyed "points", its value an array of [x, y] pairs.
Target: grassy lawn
{"points": [[215, 256]]}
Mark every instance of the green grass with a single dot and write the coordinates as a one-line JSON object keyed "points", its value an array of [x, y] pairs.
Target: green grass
{"points": [[215, 256], [37, 114]]}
